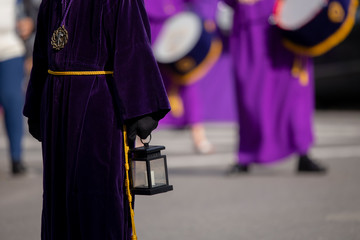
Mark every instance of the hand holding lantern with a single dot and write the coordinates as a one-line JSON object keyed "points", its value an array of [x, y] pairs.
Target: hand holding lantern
{"points": [[149, 173]]}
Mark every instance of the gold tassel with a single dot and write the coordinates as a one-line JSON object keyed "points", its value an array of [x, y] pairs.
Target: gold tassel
{"points": [[127, 183], [304, 78], [176, 103], [296, 68], [299, 71]]}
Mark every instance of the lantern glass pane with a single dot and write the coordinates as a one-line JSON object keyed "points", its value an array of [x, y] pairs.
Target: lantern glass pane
{"points": [[139, 174], [157, 167]]}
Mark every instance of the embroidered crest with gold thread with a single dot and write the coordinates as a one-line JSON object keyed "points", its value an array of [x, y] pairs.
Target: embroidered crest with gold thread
{"points": [[60, 36]]}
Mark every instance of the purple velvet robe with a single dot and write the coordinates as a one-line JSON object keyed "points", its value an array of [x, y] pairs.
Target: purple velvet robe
{"points": [[275, 108], [81, 117]]}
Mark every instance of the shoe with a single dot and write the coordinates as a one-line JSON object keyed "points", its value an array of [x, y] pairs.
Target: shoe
{"points": [[204, 147], [18, 168], [238, 169], [306, 164]]}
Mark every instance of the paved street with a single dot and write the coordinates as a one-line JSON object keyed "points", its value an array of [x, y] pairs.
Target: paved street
{"points": [[271, 203]]}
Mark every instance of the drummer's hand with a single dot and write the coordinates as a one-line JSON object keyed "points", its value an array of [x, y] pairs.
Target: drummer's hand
{"points": [[140, 126]]}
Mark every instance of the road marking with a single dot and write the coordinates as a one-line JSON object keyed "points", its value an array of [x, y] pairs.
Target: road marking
{"points": [[344, 217]]}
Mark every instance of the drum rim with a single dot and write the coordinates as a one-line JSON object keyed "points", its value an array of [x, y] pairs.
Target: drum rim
{"points": [[278, 23], [332, 41], [203, 68], [174, 59]]}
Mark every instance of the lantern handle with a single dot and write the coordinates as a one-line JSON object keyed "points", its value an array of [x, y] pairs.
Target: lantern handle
{"points": [[146, 144]]}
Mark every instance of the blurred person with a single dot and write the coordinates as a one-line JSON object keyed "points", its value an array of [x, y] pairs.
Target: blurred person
{"points": [[275, 92], [11, 77], [26, 28], [93, 72], [185, 98], [218, 81]]}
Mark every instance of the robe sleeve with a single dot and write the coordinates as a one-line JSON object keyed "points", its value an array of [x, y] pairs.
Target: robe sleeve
{"points": [[40, 67], [137, 79]]}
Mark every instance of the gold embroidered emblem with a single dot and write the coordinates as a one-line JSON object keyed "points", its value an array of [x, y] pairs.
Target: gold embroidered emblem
{"points": [[186, 64], [336, 12], [59, 38]]}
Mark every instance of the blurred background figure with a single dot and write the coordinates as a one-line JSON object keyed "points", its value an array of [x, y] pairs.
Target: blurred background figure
{"points": [[274, 89], [26, 28], [194, 79], [183, 94], [11, 77]]}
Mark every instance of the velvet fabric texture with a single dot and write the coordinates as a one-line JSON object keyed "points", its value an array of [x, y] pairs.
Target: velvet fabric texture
{"points": [[275, 106], [81, 117]]}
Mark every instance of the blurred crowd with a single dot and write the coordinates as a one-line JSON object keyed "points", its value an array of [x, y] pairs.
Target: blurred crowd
{"points": [[220, 61], [254, 80], [17, 33], [230, 67]]}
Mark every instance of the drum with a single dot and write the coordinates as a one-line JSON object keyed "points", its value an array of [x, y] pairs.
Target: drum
{"points": [[187, 48], [313, 27]]}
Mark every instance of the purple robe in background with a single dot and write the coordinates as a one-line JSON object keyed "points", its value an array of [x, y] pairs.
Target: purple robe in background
{"points": [[81, 117], [159, 11], [275, 108], [216, 88], [198, 99]]}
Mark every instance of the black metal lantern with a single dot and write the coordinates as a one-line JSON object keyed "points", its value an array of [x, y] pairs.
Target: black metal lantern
{"points": [[149, 170]]}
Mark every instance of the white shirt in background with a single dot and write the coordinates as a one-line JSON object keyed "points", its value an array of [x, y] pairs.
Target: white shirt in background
{"points": [[11, 46]]}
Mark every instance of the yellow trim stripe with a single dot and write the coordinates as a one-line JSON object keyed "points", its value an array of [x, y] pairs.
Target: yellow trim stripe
{"points": [[331, 41], [203, 67], [79, 73]]}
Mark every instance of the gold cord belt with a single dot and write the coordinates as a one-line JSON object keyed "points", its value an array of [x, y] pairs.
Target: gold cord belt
{"points": [[79, 73]]}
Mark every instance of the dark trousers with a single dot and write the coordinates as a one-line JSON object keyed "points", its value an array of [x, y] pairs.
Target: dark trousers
{"points": [[12, 100]]}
